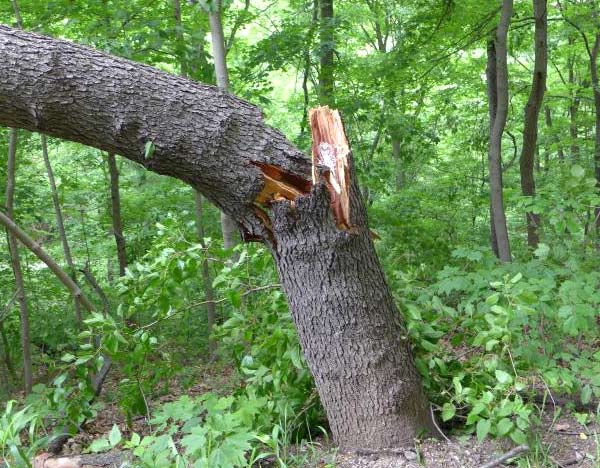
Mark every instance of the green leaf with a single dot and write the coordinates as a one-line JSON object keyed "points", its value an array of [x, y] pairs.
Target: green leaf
{"points": [[504, 426], [114, 437], [483, 428], [515, 279], [503, 377], [448, 411], [100, 445]]}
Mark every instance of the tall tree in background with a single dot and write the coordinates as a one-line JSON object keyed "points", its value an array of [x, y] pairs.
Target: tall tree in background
{"points": [[61, 225], [115, 206], [229, 227], [326, 52], [532, 112], [13, 247], [497, 82], [209, 295]]}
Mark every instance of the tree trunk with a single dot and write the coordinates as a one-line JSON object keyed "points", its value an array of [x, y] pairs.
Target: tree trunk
{"points": [[13, 246], [532, 112], [497, 61], [492, 92], [397, 156], [61, 225], [16, 264], [556, 138], [206, 277], [308, 44], [596, 89], [117, 221], [326, 51], [229, 227], [573, 108], [348, 326], [209, 295]]}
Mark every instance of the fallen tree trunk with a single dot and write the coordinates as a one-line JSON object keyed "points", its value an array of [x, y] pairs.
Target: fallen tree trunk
{"points": [[313, 222]]}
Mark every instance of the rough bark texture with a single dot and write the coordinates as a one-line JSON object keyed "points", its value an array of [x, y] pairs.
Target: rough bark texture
{"points": [[61, 225], [347, 323], [117, 221], [15, 260], [203, 136], [327, 49], [532, 112], [495, 148], [360, 355], [492, 94]]}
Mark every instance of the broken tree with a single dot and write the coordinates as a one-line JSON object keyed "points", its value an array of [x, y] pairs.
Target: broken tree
{"points": [[349, 328]]}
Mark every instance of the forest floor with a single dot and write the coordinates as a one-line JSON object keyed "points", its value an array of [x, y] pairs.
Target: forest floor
{"points": [[562, 440]]}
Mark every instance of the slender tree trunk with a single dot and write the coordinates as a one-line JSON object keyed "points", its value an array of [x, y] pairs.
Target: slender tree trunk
{"points": [[573, 108], [560, 151], [532, 112], [206, 277], [209, 295], [596, 89], [63, 277], [229, 227], [13, 246], [16, 264], [117, 220], [350, 330], [499, 53], [397, 155], [308, 43], [61, 225], [326, 52]]}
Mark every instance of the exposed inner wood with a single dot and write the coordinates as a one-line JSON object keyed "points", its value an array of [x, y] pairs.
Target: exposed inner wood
{"points": [[330, 152]]}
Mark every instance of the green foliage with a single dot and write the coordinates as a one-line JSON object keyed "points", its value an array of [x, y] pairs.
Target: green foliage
{"points": [[15, 450]]}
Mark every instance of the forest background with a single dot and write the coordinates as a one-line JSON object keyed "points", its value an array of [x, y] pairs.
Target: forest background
{"points": [[487, 230]]}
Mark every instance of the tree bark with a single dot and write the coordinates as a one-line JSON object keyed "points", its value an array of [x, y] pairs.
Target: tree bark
{"points": [[117, 220], [16, 264], [492, 94], [499, 52], [326, 52], [532, 112], [228, 226], [61, 225], [347, 323]]}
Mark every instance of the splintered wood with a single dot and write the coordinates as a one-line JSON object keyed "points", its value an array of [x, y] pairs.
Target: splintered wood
{"points": [[330, 152]]}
